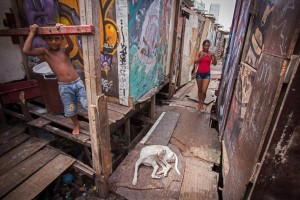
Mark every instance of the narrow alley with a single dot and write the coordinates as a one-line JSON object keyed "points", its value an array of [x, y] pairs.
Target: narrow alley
{"points": [[149, 99]]}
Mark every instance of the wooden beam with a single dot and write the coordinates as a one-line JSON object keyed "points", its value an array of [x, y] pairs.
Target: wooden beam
{"points": [[127, 132], [78, 165], [152, 107], [97, 102], [172, 68], [62, 30], [144, 118]]}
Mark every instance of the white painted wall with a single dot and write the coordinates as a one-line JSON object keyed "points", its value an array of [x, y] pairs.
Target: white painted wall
{"points": [[10, 54], [188, 45]]}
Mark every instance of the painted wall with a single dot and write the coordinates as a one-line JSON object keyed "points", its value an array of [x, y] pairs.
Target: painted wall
{"points": [[148, 26], [11, 57], [205, 30], [44, 12], [252, 82], [191, 45]]}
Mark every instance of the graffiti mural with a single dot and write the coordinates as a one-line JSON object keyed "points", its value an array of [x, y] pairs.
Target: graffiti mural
{"points": [[259, 33], [238, 107], [110, 38], [45, 12], [148, 38], [109, 41], [240, 23]]}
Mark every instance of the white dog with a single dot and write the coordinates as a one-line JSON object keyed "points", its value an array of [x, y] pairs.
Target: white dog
{"points": [[155, 155]]}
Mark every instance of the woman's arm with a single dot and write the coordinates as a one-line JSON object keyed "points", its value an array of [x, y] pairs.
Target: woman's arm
{"points": [[200, 55], [213, 58]]}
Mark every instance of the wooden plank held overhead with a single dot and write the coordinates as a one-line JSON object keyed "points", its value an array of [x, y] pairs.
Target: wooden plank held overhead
{"points": [[62, 30]]}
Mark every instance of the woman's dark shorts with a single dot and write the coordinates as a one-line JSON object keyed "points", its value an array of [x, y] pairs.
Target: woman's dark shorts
{"points": [[202, 75]]}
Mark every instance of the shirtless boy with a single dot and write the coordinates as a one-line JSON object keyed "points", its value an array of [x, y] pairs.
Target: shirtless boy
{"points": [[71, 88]]}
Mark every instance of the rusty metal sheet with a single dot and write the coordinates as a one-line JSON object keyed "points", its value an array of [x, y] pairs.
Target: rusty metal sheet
{"points": [[284, 28], [279, 175], [264, 95], [260, 23], [273, 32], [238, 107]]}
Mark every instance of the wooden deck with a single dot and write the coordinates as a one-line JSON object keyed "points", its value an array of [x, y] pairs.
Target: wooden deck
{"points": [[27, 164], [62, 126]]}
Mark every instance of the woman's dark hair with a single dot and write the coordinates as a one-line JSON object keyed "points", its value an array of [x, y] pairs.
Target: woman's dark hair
{"points": [[205, 41]]}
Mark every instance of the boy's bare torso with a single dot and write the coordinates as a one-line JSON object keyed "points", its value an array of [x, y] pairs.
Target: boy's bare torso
{"points": [[61, 65]]}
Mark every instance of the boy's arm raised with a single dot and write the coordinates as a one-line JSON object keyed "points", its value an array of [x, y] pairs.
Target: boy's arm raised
{"points": [[27, 49], [69, 47]]}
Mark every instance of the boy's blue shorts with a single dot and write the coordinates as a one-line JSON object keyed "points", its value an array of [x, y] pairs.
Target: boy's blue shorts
{"points": [[72, 95]]}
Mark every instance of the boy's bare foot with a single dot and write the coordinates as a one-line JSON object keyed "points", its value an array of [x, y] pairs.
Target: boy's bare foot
{"points": [[76, 130]]}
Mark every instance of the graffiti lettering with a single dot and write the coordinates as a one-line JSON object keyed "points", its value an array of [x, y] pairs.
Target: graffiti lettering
{"points": [[123, 64], [106, 85]]}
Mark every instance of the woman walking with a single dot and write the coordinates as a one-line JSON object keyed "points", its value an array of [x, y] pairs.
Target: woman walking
{"points": [[204, 59]]}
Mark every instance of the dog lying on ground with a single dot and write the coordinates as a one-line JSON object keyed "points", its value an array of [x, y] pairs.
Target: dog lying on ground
{"points": [[155, 156]]}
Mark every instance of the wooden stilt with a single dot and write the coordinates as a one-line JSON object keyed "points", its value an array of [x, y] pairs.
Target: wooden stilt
{"points": [[97, 102], [127, 132], [2, 115], [25, 111], [152, 107]]}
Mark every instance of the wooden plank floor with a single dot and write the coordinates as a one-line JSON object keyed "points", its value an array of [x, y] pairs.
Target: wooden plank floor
{"points": [[54, 123], [27, 166], [41, 179], [200, 182]]}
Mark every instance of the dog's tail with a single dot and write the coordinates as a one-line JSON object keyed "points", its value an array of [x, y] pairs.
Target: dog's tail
{"points": [[176, 163]]}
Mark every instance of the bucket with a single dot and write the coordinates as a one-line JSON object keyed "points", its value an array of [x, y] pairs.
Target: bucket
{"points": [[49, 88]]}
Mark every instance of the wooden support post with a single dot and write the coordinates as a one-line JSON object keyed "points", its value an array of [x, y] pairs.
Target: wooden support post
{"points": [[26, 113], [63, 30], [152, 107], [2, 115], [172, 68], [127, 132], [97, 102]]}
